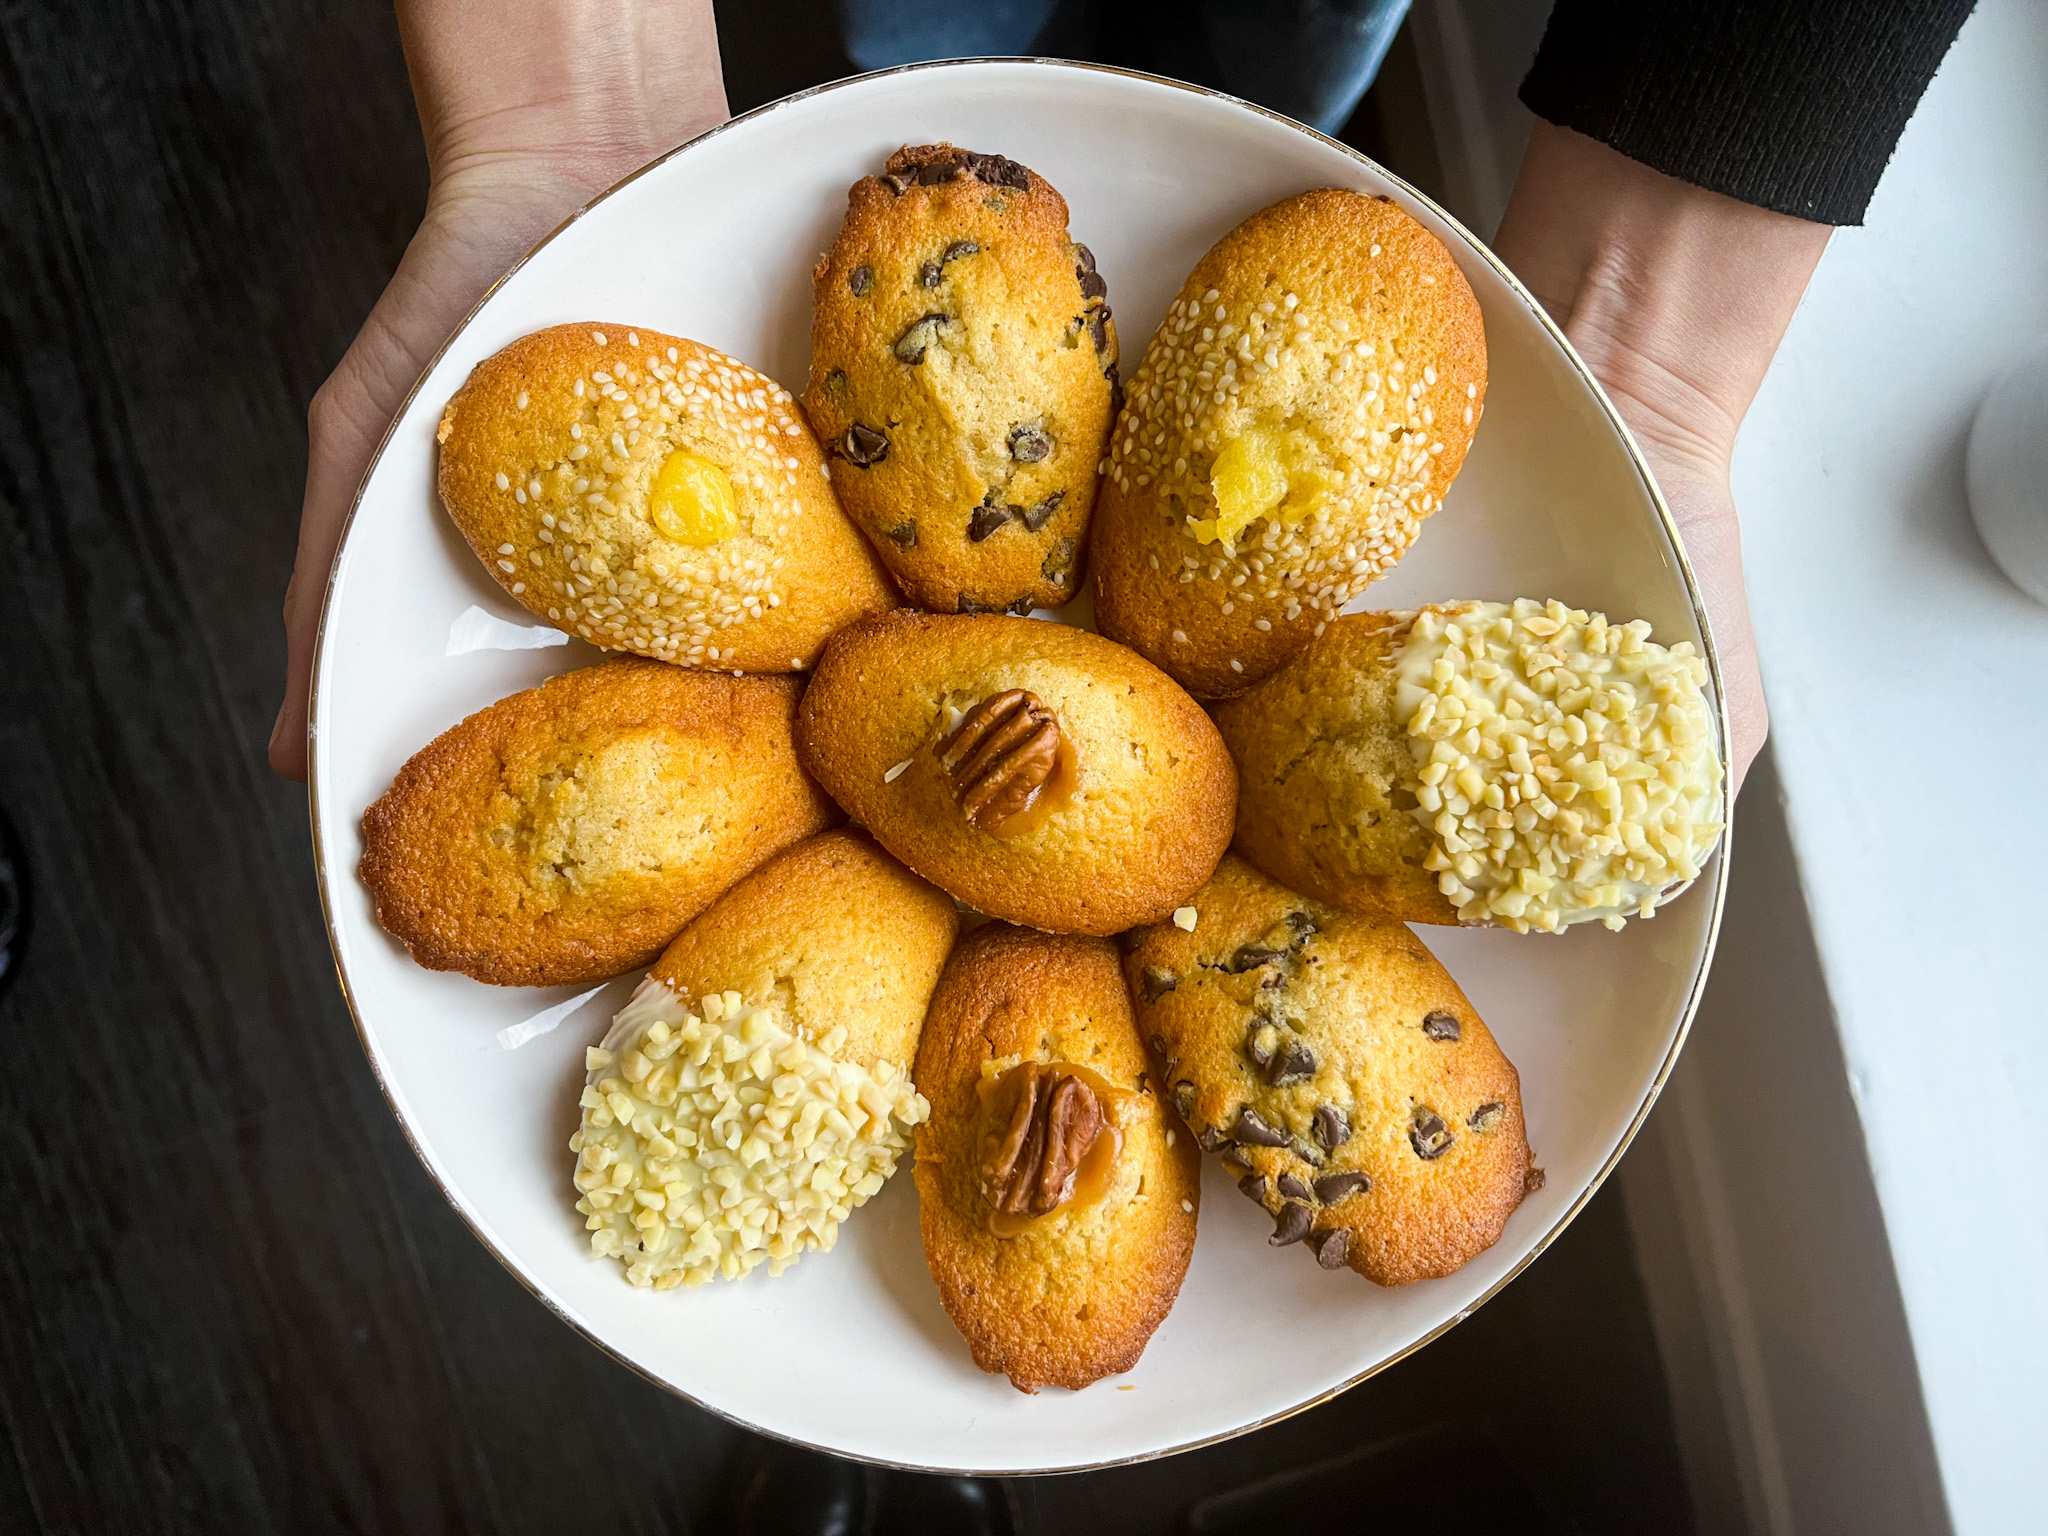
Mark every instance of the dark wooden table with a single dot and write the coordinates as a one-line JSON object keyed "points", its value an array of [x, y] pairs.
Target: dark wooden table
{"points": [[230, 1298]]}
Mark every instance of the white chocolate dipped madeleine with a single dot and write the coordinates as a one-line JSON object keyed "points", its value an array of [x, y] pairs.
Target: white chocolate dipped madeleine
{"points": [[1527, 765], [652, 494], [1304, 405], [756, 1090]]}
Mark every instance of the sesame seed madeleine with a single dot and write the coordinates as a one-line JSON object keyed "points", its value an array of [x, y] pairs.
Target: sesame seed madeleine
{"points": [[755, 1091], [963, 363], [1056, 1190], [1305, 404], [1039, 773], [653, 495], [566, 833], [1352, 1089], [1527, 765]]}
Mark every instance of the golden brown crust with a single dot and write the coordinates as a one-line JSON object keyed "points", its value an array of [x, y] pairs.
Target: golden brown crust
{"points": [[836, 932], [1327, 776], [1153, 793], [1028, 348], [566, 833], [1391, 1042], [1075, 1296], [565, 480], [1338, 271]]}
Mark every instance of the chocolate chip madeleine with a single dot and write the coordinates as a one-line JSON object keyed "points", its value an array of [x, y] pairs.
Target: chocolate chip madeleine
{"points": [[963, 363], [566, 833], [653, 495], [1040, 773], [1349, 1084], [1522, 764], [1303, 407], [755, 1090], [1056, 1193]]}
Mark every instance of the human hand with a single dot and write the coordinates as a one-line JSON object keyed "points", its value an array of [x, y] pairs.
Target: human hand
{"points": [[1676, 297], [529, 108]]}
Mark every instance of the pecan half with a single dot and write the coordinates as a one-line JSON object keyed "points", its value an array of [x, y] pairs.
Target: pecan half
{"points": [[1001, 752], [1055, 1122]]}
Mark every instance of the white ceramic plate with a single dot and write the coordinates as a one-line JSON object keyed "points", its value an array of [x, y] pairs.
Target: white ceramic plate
{"points": [[850, 1350]]}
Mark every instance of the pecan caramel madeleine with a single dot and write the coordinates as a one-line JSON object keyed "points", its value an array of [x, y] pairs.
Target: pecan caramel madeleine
{"points": [[1000, 756], [1352, 1089], [933, 732], [1056, 1190]]}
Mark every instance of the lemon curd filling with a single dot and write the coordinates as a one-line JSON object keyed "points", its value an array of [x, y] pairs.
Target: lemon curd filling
{"points": [[1273, 472], [692, 500]]}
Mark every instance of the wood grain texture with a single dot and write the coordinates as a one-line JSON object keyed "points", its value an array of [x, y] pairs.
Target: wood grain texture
{"points": [[232, 1299]]}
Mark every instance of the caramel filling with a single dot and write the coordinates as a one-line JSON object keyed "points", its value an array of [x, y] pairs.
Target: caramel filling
{"points": [[1049, 1139]]}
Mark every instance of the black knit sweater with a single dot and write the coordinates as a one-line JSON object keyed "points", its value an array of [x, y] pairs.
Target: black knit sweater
{"points": [[1790, 104]]}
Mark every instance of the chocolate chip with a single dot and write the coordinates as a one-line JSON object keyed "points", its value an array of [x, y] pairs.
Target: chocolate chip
{"points": [[1131, 940], [1021, 606], [1084, 256], [1294, 1062], [1292, 1188], [1333, 1126], [1037, 517], [1332, 1247], [1158, 981], [1028, 444], [1254, 1131], [897, 182], [1533, 1180], [1332, 1187], [1092, 285], [1485, 1117], [1251, 956], [1441, 1027], [1116, 392], [1000, 171], [918, 337], [1209, 1139], [1237, 1160], [861, 280], [1302, 924], [1262, 1042], [986, 520], [1184, 1099], [1159, 1047], [864, 446], [969, 605], [940, 171], [1291, 1226], [958, 249], [1428, 1134], [1254, 1186], [929, 274], [1098, 329], [904, 533]]}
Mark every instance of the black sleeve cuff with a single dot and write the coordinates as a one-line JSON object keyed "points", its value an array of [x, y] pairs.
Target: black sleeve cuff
{"points": [[1793, 105]]}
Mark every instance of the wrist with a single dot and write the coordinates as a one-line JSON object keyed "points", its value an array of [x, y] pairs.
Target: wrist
{"points": [[533, 100], [1675, 296]]}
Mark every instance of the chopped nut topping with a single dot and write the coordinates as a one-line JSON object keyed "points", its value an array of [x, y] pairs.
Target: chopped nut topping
{"points": [[1566, 766], [999, 755], [1054, 1124], [715, 1140]]}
